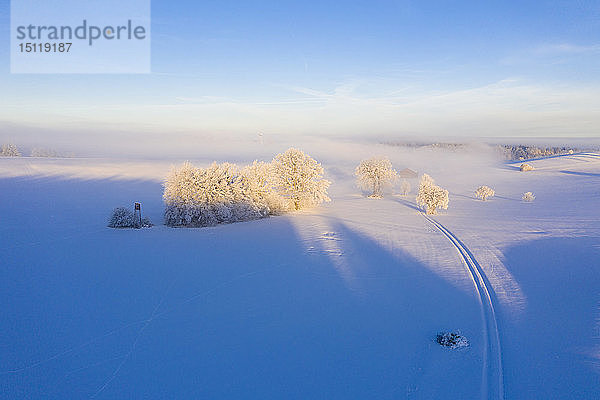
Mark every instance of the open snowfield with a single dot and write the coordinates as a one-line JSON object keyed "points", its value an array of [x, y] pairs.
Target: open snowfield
{"points": [[339, 302]]}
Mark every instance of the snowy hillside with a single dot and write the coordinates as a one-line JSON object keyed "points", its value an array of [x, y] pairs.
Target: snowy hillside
{"points": [[342, 301]]}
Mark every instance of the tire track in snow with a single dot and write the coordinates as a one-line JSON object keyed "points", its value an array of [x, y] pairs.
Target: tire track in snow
{"points": [[492, 381]]}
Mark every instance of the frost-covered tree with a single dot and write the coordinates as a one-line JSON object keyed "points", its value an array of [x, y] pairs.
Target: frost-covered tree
{"points": [[528, 196], [259, 185], [426, 180], [9, 150], [405, 187], [483, 192], [299, 179], [431, 196], [376, 174], [526, 167]]}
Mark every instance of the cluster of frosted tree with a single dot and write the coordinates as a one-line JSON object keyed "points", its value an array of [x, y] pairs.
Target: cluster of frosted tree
{"points": [[376, 175], [9, 150], [224, 193], [484, 192], [431, 196]]}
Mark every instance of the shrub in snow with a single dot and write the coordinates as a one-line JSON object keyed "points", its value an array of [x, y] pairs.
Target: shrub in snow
{"points": [[404, 187], [528, 196], [526, 167], [453, 340], [483, 192], [146, 223], [431, 196], [122, 217], [9, 150], [376, 174], [299, 179]]}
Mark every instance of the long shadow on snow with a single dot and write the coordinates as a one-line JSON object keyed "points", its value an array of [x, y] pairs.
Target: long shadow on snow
{"points": [[581, 173], [295, 330], [416, 303], [408, 204], [552, 351], [226, 312]]}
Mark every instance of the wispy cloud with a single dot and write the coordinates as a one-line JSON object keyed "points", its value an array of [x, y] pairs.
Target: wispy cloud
{"points": [[508, 107], [566, 48], [551, 51]]}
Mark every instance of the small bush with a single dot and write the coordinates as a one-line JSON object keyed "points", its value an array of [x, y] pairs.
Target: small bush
{"points": [[122, 217], [526, 167], [453, 340], [146, 223], [483, 192], [528, 196]]}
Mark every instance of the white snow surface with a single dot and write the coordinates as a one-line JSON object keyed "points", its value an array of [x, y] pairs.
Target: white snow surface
{"points": [[342, 301]]}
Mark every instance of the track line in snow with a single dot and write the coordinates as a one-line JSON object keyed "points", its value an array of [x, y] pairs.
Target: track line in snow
{"points": [[71, 350], [492, 382], [124, 359]]}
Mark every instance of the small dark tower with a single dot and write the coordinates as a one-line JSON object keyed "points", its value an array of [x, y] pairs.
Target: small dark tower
{"points": [[137, 214]]}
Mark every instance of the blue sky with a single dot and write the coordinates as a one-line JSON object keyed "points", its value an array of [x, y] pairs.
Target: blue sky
{"points": [[522, 68]]}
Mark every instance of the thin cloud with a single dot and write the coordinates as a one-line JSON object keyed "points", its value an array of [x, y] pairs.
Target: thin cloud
{"points": [[551, 51], [566, 48], [509, 107]]}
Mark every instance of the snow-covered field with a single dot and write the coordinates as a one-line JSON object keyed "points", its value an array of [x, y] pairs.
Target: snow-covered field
{"points": [[343, 301]]}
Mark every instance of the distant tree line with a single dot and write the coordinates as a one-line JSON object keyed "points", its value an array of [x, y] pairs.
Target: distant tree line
{"points": [[521, 152], [11, 150]]}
